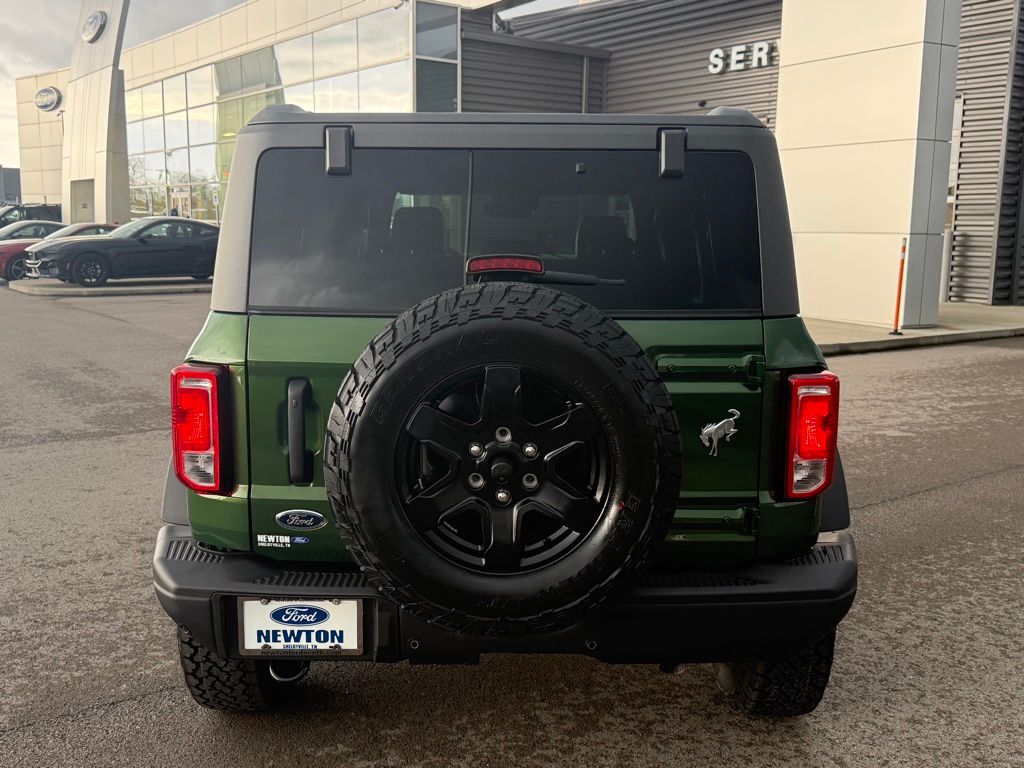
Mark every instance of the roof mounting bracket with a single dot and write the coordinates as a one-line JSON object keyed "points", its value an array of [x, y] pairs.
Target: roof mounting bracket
{"points": [[672, 152], [338, 146]]}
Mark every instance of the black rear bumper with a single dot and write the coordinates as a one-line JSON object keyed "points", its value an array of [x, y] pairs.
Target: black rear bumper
{"points": [[760, 610]]}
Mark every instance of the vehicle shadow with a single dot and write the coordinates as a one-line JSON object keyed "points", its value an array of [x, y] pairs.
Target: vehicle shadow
{"points": [[514, 711]]}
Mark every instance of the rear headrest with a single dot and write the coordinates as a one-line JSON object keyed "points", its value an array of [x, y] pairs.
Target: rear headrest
{"points": [[418, 230]]}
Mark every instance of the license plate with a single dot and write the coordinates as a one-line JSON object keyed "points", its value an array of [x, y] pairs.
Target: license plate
{"points": [[301, 627]]}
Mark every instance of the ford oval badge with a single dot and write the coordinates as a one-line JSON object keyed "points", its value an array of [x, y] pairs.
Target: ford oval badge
{"points": [[48, 98], [299, 615], [300, 519], [94, 26]]}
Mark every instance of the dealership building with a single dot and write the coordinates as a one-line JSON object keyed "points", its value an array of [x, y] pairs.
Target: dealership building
{"points": [[894, 120]]}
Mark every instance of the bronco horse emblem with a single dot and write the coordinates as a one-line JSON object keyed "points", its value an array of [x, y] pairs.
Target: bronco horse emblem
{"points": [[712, 433]]}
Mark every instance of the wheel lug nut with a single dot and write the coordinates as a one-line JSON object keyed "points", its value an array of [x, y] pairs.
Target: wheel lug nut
{"points": [[476, 481], [476, 450], [530, 482], [503, 435], [502, 496], [530, 451]]}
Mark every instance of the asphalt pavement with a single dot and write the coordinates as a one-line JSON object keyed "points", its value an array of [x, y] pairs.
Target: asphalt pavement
{"points": [[929, 668]]}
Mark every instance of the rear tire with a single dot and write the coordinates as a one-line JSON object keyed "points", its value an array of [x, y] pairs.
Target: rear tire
{"points": [[782, 687], [234, 685], [90, 270]]}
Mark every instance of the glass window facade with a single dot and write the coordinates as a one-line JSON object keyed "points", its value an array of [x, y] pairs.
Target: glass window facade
{"points": [[294, 60], [385, 88], [202, 124], [174, 93], [301, 96], [437, 34], [436, 86], [338, 94], [182, 130], [153, 100], [176, 130], [437, 58], [200, 86], [334, 50], [383, 36]]}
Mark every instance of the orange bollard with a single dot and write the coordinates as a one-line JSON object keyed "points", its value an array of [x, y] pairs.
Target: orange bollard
{"points": [[899, 291]]}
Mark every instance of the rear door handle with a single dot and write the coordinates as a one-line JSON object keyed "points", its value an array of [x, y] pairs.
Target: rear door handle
{"points": [[300, 464]]}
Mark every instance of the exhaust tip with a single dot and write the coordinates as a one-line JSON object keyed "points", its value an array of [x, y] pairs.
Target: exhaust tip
{"points": [[287, 671]]}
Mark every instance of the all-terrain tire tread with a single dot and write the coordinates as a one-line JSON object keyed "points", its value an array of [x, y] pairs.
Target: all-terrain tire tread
{"points": [[508, 301], [217, 683], [787, 687]]}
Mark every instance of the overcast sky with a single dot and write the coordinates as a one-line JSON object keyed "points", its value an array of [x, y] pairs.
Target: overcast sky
{"points": [[37, 37]]}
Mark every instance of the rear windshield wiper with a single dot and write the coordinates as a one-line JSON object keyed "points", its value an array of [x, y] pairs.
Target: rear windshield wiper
{"points": [[574, 278], [529, 266]]}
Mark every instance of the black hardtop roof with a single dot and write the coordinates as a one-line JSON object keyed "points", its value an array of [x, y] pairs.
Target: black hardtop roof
{"points": [[720, 116]]}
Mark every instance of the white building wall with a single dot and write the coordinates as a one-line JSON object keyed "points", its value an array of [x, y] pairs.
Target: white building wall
{"points": [[40, 136], [94, 159], [866, 94]]}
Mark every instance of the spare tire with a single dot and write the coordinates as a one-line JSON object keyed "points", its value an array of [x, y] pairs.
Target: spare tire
{"points": [[501, 459]]}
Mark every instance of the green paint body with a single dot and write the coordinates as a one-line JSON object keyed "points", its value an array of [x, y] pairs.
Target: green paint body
{"points": [[728, 508]]}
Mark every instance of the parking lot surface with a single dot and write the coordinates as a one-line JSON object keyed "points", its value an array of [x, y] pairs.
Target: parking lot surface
{"points": [[929, 663]]}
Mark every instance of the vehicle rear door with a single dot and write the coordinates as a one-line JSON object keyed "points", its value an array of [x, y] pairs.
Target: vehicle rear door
{"points": [[332, 262]]}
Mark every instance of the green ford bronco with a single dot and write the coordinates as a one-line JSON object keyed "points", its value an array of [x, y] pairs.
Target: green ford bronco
{"points": [[505, 384]]}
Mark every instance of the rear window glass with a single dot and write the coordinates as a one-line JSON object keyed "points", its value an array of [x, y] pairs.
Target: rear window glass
{"points": [[403, 224]]}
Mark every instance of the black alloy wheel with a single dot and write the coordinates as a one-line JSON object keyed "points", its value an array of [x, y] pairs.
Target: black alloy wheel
{"points": [[90, 270], [503, 469]]}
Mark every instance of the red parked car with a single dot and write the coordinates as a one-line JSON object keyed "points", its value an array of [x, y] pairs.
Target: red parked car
{"points": [[12, 249]]}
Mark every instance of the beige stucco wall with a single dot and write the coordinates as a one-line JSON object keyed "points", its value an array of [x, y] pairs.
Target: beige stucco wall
{"points": [[865, 113], [40, 135]]}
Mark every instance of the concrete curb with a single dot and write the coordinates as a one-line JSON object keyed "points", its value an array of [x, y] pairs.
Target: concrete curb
{"points": [[911, 342], [62, 290]]}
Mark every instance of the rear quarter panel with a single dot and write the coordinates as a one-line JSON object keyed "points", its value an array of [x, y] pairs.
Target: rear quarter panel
{"points": [[223, 521]]}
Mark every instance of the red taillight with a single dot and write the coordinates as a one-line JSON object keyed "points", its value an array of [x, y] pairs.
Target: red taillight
{"points": [[505, 264], [195, 427], [813, 430]]}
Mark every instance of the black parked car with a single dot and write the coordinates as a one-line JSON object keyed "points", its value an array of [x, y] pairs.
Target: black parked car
{"points": [[150, 247], [22, 212]]}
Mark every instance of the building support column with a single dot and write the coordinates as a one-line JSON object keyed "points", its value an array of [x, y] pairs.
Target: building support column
{"points": [[865, 113], [94, 157]]}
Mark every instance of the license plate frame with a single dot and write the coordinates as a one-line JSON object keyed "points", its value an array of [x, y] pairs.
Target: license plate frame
{"points": [[267, 604]]}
